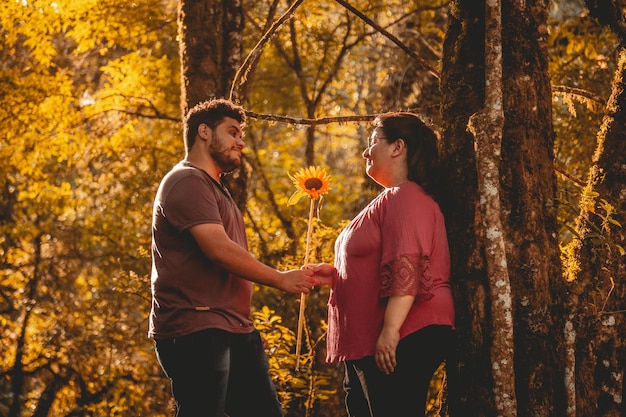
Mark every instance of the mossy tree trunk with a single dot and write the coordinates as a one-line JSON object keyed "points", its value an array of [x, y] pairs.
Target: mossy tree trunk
{"points": [[596, 263], [526, 188], [597, 296]]}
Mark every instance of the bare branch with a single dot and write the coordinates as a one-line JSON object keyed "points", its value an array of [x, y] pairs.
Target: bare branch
{"points": [[580, 183], [242, 74], [321, 121], [391, 37]]}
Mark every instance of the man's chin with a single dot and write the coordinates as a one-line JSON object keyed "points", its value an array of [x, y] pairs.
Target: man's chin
{"points": [[230, 167]]}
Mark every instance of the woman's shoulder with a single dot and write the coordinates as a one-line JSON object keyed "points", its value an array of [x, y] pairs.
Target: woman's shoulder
{"points": [[411, 196], [408, 189]]}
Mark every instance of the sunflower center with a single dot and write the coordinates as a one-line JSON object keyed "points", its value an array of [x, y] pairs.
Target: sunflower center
{"points": [[313, 184]]}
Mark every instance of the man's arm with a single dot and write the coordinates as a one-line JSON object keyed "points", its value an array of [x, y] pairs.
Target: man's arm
{"points": [[217, 246]]}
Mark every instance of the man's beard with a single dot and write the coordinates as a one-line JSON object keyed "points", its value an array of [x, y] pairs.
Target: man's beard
{"points": [[221, 155]]}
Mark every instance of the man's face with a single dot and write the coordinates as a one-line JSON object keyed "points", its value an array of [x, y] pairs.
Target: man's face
{"points": [[227, 144]]}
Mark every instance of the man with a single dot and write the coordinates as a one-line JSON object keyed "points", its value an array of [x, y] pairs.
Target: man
{"points": [[200, 320]]}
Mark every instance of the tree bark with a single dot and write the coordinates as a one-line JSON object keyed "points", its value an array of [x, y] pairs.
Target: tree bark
{"points": [[18, 372], [596, 263], [486, 126], [596, 267], [527, 189], [210, 48], [210, 56]]}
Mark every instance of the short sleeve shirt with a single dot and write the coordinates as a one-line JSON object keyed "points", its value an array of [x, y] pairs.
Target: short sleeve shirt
{"points": [[189, 291], [396, 245]]}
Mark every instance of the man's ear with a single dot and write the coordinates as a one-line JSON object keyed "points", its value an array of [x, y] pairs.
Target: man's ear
{"points": [[204, 131]]}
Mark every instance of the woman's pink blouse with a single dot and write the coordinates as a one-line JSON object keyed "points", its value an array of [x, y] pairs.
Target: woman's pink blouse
{"points": [[396, 245]]}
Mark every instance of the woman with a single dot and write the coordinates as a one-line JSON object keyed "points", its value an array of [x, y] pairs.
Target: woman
{"points": [[390, 311]]}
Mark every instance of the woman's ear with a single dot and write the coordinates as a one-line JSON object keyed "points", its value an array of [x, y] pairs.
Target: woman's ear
{"points": [[399, 146]]}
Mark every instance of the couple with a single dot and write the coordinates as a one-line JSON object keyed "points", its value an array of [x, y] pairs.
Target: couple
{"points": [[390, 312]]}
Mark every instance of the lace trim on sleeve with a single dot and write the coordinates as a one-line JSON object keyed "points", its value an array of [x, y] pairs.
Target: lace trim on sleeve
{"points": [[409, 274]]}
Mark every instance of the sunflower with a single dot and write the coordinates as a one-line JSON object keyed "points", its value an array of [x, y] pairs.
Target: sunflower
{"points": [[311, 181], [314, 182]]}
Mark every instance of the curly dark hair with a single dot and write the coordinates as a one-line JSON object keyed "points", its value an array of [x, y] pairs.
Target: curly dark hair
{"points": [[211, 113]]}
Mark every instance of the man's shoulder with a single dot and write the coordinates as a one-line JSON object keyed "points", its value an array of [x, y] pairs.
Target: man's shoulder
{"points": [[181, 172], [184, 180]]}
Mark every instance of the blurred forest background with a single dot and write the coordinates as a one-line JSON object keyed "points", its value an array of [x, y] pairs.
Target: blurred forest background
{"points": [[90, 109]]}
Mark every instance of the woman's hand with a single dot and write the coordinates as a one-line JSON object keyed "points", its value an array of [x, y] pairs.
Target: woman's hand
{"points": [[324, 273], [397, 309], [385, 354]]}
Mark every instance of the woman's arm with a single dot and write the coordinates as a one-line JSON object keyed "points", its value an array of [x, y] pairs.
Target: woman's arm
{"points": [[398, 307]]}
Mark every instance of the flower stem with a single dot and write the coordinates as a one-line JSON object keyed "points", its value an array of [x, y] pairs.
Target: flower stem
{"points": [[302, 295]]}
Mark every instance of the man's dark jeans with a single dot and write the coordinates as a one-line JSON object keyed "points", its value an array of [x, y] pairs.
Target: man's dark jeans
{"points": [[214, 372]]}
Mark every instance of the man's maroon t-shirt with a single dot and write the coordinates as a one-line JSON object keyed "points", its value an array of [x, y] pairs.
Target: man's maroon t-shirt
{"points": [[189, 291]]}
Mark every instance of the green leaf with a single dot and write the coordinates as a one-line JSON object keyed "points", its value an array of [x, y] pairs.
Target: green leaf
{"points": [[295, 197]]}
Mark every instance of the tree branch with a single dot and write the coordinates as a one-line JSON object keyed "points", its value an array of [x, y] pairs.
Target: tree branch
{"points": [[578, 92], [324, 120], [242, 74], [391, 37]]}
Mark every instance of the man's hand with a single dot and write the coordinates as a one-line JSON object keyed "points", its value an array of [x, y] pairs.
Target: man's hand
{"points": [[297, 281]]}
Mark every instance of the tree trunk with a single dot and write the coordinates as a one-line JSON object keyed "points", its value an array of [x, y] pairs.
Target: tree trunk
{"points": [[486, 126], [596, 264], [596, 267], [18, 372], [526, 187], [210, 48], [210, 55]]}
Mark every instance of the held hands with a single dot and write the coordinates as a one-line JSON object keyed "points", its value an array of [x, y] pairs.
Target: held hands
{"points": [[324, 273], [305, 279], [297, 281]]}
